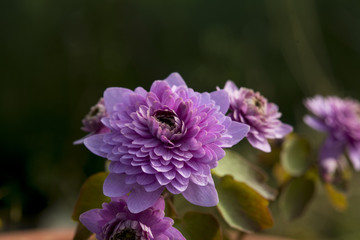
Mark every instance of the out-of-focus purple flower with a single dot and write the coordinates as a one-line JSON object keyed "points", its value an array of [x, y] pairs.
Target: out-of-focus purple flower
{"points": [[169, 137], [340, 118], [92, 121], [115, 221], [253, 109]]}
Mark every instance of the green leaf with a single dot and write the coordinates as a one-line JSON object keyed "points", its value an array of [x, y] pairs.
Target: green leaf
{"points": [[91, 195], [81, 233], [235, 165], [199, 226], [242, 207], [170, 208], [269, 159], [183, 206], [337, 198], [295, 155], [296, 196]]}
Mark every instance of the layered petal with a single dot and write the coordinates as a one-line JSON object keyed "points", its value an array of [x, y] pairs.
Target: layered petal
{"points": [[115, 220], [167, 138]]}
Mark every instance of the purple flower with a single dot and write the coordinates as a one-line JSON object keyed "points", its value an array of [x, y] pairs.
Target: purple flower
{"points": [[169, 137], [92, 121], [340, 119], [253, 109], [115, 221]]}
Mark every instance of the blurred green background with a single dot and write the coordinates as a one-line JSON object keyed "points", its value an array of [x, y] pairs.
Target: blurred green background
{"points": [[57, 58]]}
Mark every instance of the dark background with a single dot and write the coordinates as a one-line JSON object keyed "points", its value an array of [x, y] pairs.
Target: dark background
{"points": [[58, 56]]}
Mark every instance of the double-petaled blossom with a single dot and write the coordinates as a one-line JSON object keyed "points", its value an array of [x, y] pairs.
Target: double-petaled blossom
{"points": [[340, 119], [251, 108], [115, 221], [167, 138], [92, 121]]}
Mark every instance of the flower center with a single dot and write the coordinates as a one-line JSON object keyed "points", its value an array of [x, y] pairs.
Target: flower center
{"points": [[125, 234], [97, 111], [166, 118], [258, 104], [94, 111], [92, 120]]}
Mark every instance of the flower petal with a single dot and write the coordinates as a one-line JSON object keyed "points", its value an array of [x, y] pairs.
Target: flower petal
{"points": [[201, 195], [172, 234], [91, 219], [315, 123], [115, 185], [330, 155], [94, 143], [221, 98], [237, 131], [331, 149], [159, 204], [139, 199], [354, 155], [230, 86], [174, 79], [283, 130], [259, 143], [113, 96]]}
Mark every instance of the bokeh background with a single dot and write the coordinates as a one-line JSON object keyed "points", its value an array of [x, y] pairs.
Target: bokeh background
{"points": [[57, 58]]}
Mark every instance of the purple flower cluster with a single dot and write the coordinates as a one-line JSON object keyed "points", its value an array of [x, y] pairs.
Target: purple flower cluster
{"points": [[253, 109], [169, 138], [340, 119], [115, 221]]}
